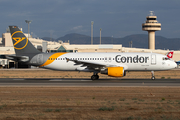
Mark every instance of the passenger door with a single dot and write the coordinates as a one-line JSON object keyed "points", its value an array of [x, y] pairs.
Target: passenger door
{"points": [[153, 59]]}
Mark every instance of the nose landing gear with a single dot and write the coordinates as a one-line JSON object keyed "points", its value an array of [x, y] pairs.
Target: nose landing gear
{"points": [[153, 77]]}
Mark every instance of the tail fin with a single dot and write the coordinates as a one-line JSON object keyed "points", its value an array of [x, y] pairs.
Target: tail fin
{"points": [[170, 54], [21, 43]]}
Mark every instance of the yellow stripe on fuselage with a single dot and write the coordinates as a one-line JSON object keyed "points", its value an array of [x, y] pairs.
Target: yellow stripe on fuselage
{"points": [[49, 60]]}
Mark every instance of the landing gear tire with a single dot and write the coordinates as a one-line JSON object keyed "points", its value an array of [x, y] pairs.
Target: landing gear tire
{"points": [[94, 77], [153, 78]]}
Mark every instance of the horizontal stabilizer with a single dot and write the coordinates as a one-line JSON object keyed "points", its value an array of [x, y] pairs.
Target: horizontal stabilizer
{"points": [[15, 58]]}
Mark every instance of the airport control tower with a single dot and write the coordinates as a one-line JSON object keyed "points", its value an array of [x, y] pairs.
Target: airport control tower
{"points": [[151, 26]]}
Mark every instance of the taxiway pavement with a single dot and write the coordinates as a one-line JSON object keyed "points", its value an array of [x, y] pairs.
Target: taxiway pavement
{"points": [[55, 82]]}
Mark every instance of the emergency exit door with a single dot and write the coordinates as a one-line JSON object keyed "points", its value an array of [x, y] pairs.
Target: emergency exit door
{"points": [[153, 59]]}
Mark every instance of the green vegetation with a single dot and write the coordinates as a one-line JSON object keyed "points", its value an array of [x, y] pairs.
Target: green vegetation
{"points": [[57, 110], [70, 109], [163, 99], [68, 99], [134, 98], [122, 99], [2, 106], [130, 118], [141, 100], [48, 110], [106, 108]]}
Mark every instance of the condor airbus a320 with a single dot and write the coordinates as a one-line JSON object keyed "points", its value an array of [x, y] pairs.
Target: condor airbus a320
{"points": [[112, 64]]}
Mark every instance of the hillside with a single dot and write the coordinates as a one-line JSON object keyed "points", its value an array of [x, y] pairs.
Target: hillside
{"points": [[138, 40]]}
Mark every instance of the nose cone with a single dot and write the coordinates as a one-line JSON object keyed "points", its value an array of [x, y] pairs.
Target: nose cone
{"points": [[173, 65]]}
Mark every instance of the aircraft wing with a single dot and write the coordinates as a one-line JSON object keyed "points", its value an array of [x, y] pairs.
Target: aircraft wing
{"points": [[90, 65]]}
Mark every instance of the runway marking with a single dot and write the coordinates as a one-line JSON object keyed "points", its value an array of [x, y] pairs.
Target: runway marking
{"points": [[18, 79]]}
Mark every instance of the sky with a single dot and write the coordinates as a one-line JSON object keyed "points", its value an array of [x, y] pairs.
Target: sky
{"points": [[116, 18]]}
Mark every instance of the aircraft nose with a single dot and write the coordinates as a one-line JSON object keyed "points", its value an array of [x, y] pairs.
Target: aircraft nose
{"points": [[174, 65]]}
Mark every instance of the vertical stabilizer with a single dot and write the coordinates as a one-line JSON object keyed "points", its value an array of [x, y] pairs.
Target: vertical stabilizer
{"points": [[21, 43], [170, 54]]}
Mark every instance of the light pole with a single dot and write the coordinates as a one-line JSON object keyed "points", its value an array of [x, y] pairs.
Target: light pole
{"points": [[130, 44], [92, 22], [28, 21], [100, 35]]}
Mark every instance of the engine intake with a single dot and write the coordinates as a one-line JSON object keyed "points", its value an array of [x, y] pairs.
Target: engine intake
{"points": [[114, 71]]}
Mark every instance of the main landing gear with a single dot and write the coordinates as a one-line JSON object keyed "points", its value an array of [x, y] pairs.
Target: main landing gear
{"points": [[153, 77], [95, 76]]}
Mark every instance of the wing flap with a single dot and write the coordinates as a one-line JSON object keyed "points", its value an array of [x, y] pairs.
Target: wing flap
{"points": [[90, 65]]}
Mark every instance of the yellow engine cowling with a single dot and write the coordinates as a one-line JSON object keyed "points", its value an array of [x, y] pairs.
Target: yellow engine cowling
{"points": [[115, 71]]}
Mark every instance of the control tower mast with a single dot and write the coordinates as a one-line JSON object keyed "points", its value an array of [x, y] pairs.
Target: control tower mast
{"points": [[151, 26]]}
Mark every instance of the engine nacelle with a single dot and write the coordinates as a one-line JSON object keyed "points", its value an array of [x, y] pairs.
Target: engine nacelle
{"points": [[114, 71]]}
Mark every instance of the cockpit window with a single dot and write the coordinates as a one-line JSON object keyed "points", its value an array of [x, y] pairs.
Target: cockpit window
{"points": [[166, 58]]}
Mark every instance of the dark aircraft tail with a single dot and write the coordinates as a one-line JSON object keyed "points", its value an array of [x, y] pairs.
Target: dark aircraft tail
{"points": [[21, 43]]}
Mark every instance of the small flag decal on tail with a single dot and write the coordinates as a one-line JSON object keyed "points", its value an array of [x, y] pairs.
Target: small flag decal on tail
{"points": [[170, 54]]}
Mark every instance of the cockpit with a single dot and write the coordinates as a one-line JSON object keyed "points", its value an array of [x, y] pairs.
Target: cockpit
{"points": [[166, 58]]}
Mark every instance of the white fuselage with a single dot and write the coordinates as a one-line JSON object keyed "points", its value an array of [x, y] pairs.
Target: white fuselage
{"points": [[130, 61]]}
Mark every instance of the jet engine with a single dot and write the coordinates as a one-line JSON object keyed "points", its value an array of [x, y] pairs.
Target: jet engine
{"points": [[114, 71]]}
